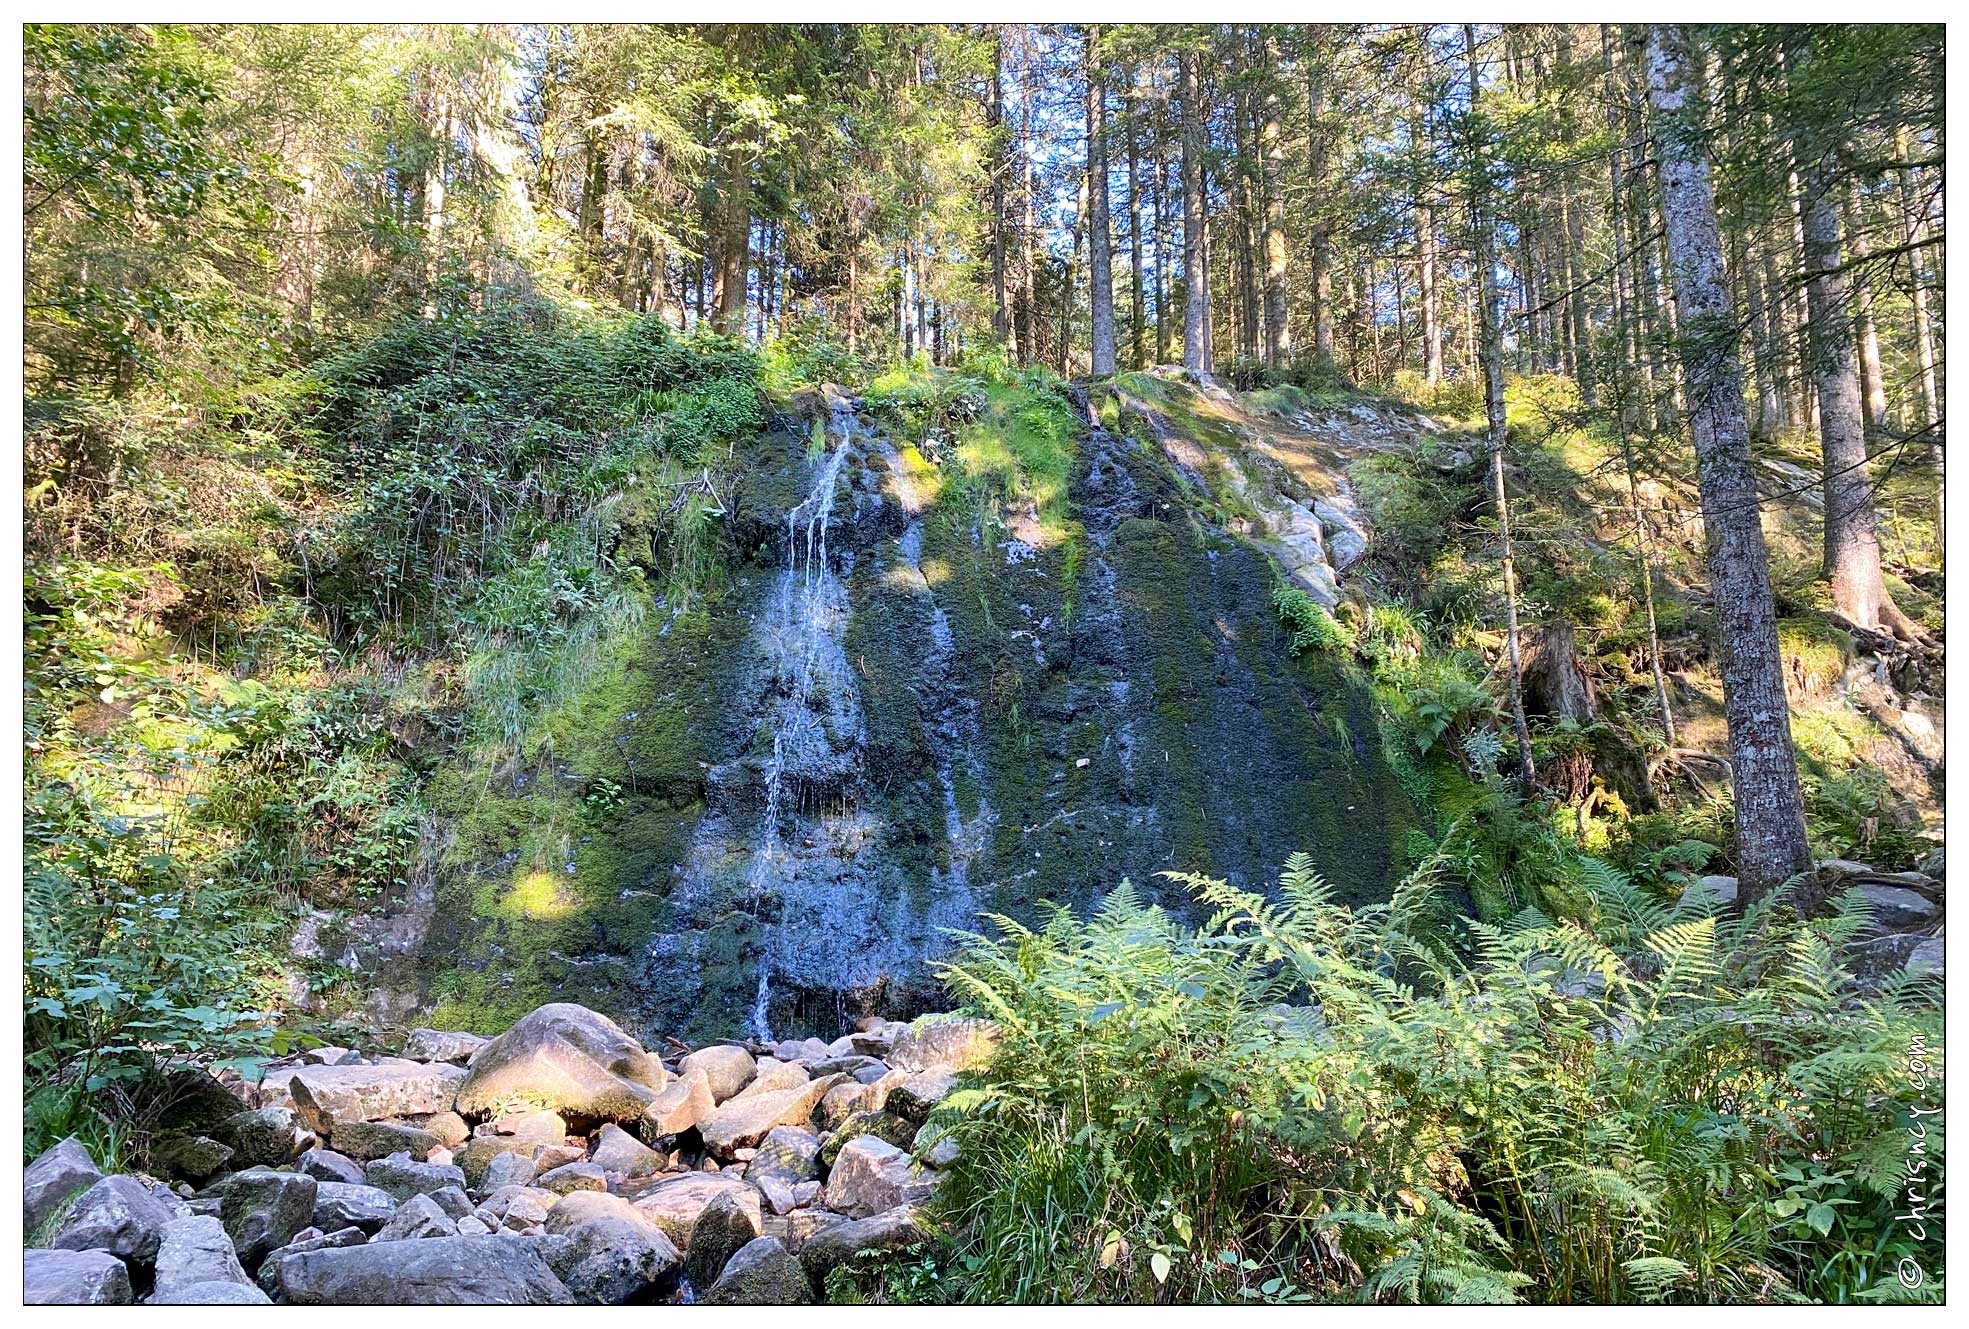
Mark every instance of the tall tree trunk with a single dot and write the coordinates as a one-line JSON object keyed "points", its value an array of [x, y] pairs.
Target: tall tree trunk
{"points": [[1770, 814], [1916, 222], [1321, 284], [1138, 349], [1100, 270], [1873, 387], [1001, 312], [1490, 347], [1196, 251], [735, 251], [1164, 325], [1271, 147], [1852, 537]]}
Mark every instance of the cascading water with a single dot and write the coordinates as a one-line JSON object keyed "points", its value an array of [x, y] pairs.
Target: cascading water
{"points": [[803, 624]]}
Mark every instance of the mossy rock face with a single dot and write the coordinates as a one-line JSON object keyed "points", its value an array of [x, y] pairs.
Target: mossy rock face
{"points": [[1047, 703]]}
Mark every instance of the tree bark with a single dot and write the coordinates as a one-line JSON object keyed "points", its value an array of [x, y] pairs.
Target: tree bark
{"points": [[1271, 146], [1137, 332], [1196, 250], [1100, 269], [1770, 816], [1321, 283], [1491, 349], [1001, 311]]}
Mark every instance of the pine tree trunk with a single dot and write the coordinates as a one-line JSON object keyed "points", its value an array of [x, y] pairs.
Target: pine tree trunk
{"points": [[1001, 312], [1271, 147], [1491, 349], [1100, 270], [1137, 331], [1770, 816], [1164, 328], [1873, 387], [1196, 261], [1321, 283]]}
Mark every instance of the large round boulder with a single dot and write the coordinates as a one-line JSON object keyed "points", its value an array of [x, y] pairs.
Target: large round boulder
{"points": [[567, 1058]]}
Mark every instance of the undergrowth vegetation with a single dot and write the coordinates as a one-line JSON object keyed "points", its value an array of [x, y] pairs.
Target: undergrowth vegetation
{"points": [[1636, 1100]]}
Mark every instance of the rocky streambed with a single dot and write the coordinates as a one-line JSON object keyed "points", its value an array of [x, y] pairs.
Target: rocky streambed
{"points": [[558, 1163]]}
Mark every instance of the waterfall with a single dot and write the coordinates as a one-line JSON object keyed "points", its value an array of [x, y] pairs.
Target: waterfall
{"points": [[802, 623]]}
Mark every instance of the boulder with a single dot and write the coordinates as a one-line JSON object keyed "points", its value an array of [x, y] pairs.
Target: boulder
{"points": [[877, 1041], [726, 1069], [674, 1204], [506, 1169], [587, 1206], [772, 1075], [452, 1200], [535, 1128], [474, 1158], [63, 1170], [443, 1271], [881, 1125], [915, 1096], [958, 1043], [338, 1205], [262, 1209], [1896, 908], [571, 1177], [620, 1153], [366, 1140], [326, 1165], [442, 1045], [777, 1192], [269, 1274], [804, 1223], [419, 1218], [260, 1137], [567, 1058], [683, 1103], [840, 1103], [612, 1261], [219, 1292], [192, 1158], [448, 1128], [402, 1176], [872, 1176], [119, 1215], [74, 1278], [723, 1227], [935, 1148], [835, 1244], [790, 1153], [762, 1273], [519, 1208], [744, 1121], [327, 1095], [192, 1251]]}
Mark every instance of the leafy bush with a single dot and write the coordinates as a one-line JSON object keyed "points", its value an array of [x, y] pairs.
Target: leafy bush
{"points": [[1299, 1098]]}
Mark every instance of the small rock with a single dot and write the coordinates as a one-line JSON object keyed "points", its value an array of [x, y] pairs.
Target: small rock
{"points": [[573, 1177], [403, 1177], [327, 1095], [623, 1154], [418, 1219], [449, 1128], [791, 1153], [683, 1103], [195, 1158], [914, 1097], [442, 1045], [338, 1205], [260, 1137], [366, 1140], [773, 1075], [886, 1126], [326, 1165], [507, 1169], [726, 1069]]}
